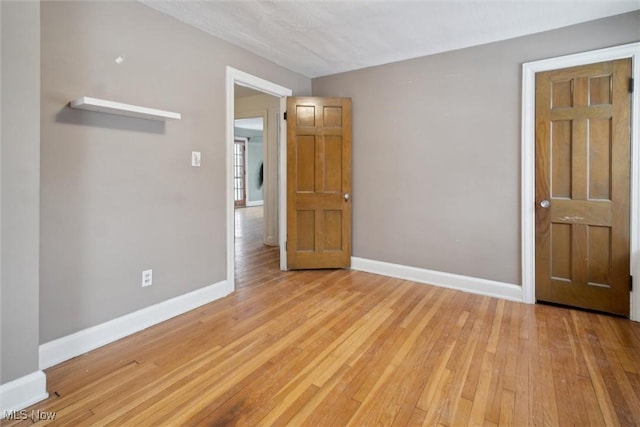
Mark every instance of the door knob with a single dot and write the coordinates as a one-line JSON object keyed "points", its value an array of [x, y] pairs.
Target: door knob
{"points": [[346, 197], [545, 204]]}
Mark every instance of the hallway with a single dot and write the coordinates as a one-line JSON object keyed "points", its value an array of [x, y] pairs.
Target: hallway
{"points": [[255, 261]]}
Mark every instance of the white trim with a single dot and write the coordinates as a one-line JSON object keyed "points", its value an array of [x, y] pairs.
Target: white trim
{"points": [[282, 186], [529, 71], [458, 282], [22, 392], [78, 343], [255, 203], [241, 78]]}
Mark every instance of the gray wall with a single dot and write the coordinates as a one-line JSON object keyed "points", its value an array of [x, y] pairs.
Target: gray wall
{"points": [[119, 194], [436, 150], [20, 186]]}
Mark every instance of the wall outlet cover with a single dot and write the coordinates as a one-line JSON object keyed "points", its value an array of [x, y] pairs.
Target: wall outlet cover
{"points": [[147, 278]]}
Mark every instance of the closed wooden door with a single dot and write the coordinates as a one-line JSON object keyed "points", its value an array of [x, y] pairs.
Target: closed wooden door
{"points": [[583, 187], [318, 182]]}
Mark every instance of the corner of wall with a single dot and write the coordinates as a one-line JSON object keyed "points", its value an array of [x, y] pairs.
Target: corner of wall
{"points": [[22, 392], [19, 201]]}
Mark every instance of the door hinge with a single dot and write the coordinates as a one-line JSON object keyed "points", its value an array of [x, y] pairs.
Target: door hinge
{"points": [[630, 84], [285, 115], [630, 283], [286, 246]]}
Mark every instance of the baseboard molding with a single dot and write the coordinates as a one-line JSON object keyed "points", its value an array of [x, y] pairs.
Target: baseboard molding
{"points": [[473, 285], [78, 343], [255, 203], [22, 392]]}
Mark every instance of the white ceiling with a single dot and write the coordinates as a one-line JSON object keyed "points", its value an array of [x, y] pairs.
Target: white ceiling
{"points": [[317, 38]]}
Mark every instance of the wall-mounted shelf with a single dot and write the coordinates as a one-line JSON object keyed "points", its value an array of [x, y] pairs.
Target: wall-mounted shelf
{"points": [[104, 106]]}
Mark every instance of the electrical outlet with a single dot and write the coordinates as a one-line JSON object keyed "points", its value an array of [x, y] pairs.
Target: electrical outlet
{"points": [[147, 278]]}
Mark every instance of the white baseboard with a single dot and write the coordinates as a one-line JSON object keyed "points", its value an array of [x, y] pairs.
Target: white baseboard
{"points": [[255, 203], [473, 285], [78, 343], [22, 392]]}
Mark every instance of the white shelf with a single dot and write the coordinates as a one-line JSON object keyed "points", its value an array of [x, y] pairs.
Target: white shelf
{"points": [[104, 106]]}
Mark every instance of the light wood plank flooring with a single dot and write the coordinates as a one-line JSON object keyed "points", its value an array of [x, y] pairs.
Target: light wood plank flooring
{"points": [[337, 348]]}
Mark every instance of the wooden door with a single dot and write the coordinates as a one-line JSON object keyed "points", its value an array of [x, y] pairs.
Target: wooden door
{"points": [[318, 182], [239, 172], [583, 186]]}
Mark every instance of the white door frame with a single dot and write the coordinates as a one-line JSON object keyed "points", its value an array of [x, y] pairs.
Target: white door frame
{"points": [[529, 71], [241, 78]]}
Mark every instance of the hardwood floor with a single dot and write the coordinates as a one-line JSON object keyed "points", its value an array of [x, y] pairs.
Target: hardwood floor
{"points": [[337, 348]]}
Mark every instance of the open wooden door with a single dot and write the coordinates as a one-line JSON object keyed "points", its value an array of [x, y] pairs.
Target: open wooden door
{"points": [[318, 182], [583, 186]]}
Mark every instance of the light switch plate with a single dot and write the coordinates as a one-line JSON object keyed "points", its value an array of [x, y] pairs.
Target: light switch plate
{"points": [[195, 158]]}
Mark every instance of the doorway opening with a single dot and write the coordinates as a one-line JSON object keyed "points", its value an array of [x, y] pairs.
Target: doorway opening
{"points": [[255, 152], [243, 89], [252, 143]]}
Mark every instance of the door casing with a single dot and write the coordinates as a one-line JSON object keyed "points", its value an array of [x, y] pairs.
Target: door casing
{"points": [[233, 77], [529, 71]]}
